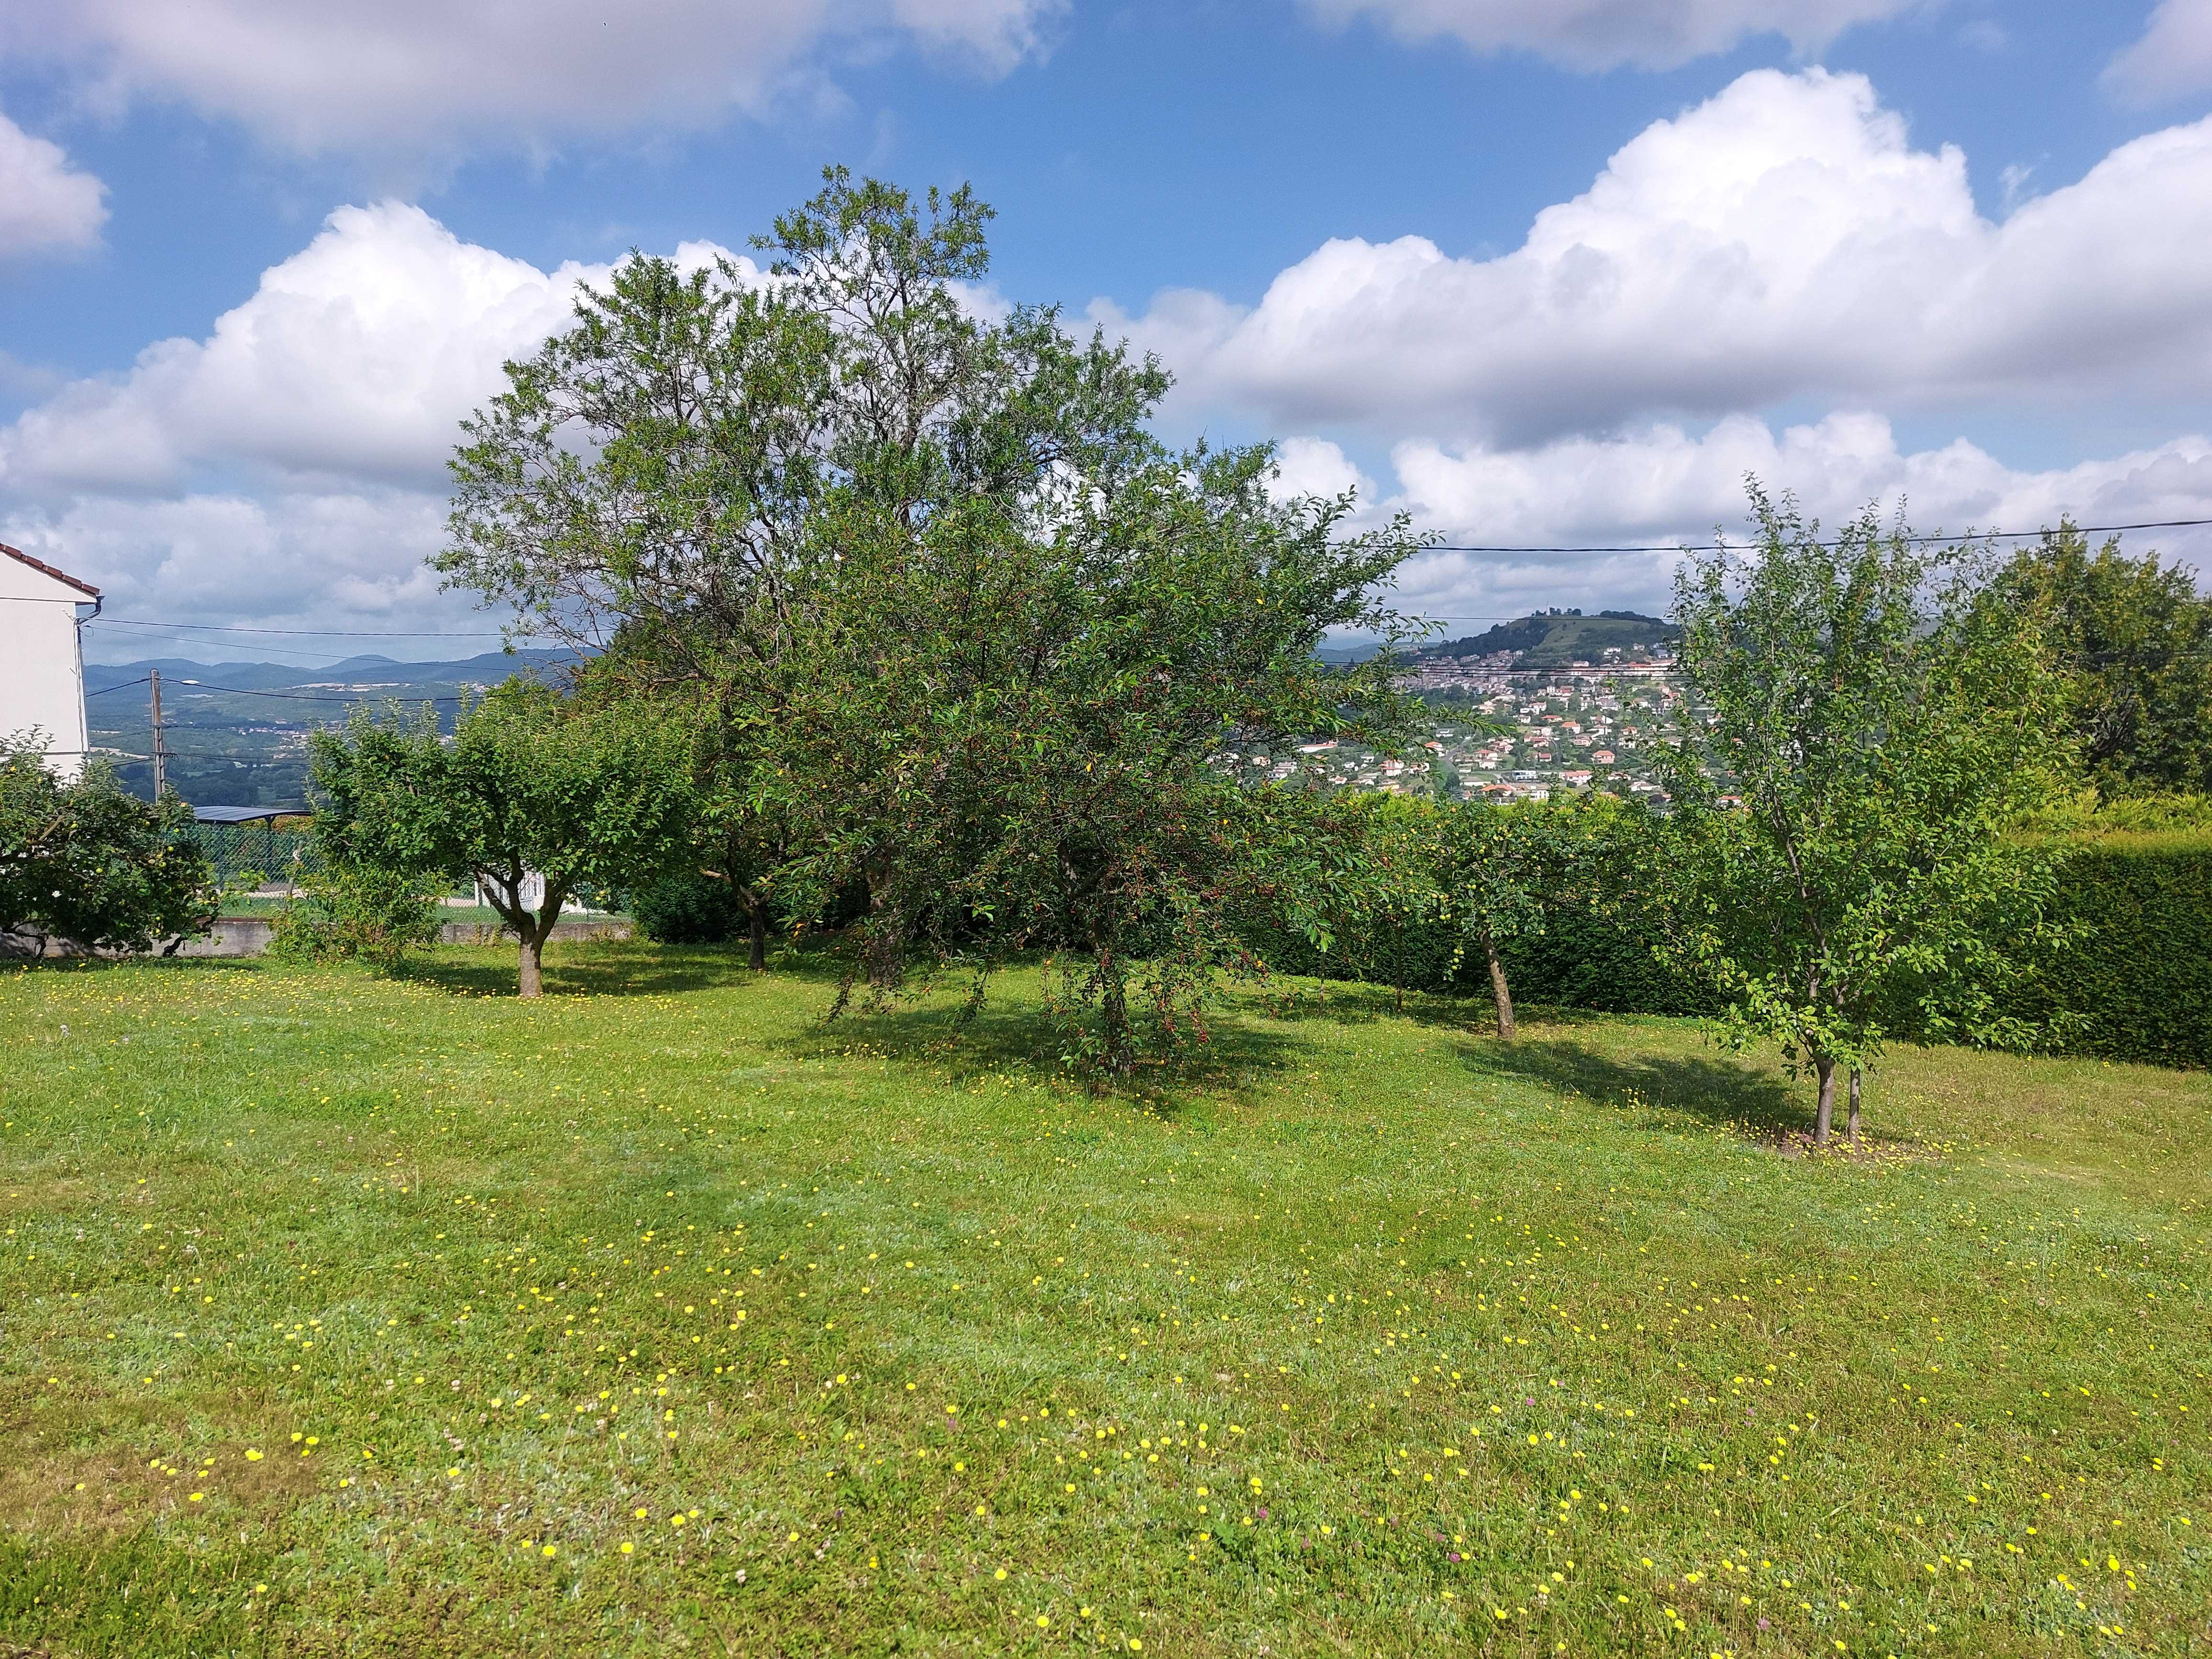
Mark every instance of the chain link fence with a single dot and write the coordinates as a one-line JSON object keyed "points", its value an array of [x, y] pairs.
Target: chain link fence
{"points": [[264, 853]]}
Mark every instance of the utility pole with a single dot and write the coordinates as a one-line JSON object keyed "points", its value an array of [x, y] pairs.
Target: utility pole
{"points": [[160, 754]]}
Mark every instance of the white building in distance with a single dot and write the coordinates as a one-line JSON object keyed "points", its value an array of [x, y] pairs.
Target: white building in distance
{"points": [[41, 658]]}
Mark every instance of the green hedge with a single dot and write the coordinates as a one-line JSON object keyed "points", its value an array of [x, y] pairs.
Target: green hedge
{"points": [[1581, 960], [2135, 981]]}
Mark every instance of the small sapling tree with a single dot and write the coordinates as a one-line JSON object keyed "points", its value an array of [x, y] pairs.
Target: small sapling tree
{"points": [[1500, 867], [533, 790], [1881, 728]]}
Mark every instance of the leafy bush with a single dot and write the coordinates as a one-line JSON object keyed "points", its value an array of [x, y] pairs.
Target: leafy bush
{"points": [[2132, 976], [1587, 935], [80, 861], [2121, 970], [352, 911], [687, 907]]}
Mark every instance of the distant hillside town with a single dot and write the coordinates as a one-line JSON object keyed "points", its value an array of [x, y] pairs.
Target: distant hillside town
{"points": [[1583, 701]]}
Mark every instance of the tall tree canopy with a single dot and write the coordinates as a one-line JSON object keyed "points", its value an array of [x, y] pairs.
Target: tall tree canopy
{"points": [[955, 625], [1882, 726], [2136, 641]]}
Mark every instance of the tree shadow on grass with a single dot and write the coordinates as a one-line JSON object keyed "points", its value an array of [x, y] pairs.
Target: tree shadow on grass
{"points": [[1356, 1002], [599, 968], [1012, 1035], [1727, 1092]]}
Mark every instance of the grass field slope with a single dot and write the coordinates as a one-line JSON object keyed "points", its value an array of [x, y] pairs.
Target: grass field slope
{"points": [[341, 1315]]}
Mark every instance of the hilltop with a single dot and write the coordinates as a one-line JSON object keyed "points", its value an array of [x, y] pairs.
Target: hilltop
{"points": [[237, 732], [1555, 639]]}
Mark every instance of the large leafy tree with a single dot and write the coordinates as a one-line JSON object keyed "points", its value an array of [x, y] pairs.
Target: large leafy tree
{"points": [[1872, 728], [675, 479], [2134, 639], [958, 629], [535, 797], [1018, 733], [82, 861]]}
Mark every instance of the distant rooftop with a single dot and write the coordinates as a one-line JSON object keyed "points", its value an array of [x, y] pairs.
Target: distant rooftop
{"points": [[247, 814]]}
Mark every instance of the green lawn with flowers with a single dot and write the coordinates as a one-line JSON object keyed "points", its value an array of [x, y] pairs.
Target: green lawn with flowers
{"points": [[347, 1314]]}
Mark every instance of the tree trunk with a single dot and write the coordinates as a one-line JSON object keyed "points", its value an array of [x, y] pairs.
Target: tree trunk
{"points": [[1498, 989], [756, 925], [1858, 1082], [534, 930], [1114, 1046], [1398, 957], [1825, 1115]]}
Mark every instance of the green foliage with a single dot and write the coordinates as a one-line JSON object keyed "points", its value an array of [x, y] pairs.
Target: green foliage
{"points": [[1573, 887], [685, 907], [1883, 726], [532, 788], [940, 616], [80, 861], [1020, 748], [2134, 639], [2126, 969], [354, 910]]}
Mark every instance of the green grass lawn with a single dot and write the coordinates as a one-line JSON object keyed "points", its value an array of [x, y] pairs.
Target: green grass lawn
{"points": [[347, 1314]]}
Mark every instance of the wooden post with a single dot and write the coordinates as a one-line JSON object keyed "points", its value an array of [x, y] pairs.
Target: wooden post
{"points": [[160, 754]]}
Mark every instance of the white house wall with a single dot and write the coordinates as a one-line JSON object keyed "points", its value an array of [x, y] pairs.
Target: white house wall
{"points": [[41, 673]]}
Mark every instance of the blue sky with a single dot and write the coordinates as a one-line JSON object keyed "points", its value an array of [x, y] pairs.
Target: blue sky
{"points": [[256, 263]]}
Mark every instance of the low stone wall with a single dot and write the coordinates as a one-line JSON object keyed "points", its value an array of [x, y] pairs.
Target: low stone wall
{"points": [[472, 933], [234, 936], [248, 936]]}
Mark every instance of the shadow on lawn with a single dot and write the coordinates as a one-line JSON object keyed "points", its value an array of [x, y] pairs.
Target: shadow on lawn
{"points": [[602, 968], [1012, 1034], [1721, 1092], [1352, 1001]]}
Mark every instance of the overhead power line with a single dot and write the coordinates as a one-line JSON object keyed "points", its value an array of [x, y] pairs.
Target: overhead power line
{"points": [[1714, 547], [324, 633]]}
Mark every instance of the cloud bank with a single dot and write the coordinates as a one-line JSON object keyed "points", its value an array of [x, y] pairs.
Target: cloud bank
{"points": [[2172, 59], [1782, 240], [1782, 246], [413, 77], [291, 464], [47, 207]]}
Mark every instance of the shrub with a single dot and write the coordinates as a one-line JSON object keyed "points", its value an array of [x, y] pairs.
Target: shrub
{"points": [[2132, 976], [346, 912], [80, 861], [685, 907]]}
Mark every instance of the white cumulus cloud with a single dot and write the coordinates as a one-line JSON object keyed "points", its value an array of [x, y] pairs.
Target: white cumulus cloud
{"points": [[342, 558], [47, 206], [356, 358], [2172, 59], [411, 77], [1783, 239], [289, 465], [1600, 34], [1662, 486]]}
